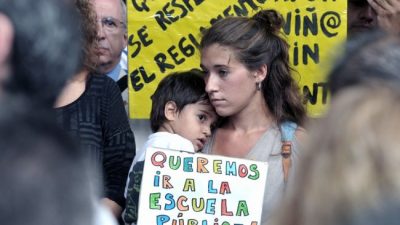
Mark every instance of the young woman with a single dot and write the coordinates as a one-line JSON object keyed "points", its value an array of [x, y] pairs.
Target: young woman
{"points": [[91, 109], [249, 82]]}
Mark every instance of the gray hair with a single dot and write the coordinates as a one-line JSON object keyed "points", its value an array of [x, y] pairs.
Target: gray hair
{"points": [[123, 9]]}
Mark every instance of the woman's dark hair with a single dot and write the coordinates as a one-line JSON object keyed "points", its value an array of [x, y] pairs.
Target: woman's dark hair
{"points": [[369, 57], [183, 88], [256, 41], [89, 31]]}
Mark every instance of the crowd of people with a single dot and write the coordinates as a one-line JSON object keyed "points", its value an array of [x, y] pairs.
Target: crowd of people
{"points": [[68, 150]]}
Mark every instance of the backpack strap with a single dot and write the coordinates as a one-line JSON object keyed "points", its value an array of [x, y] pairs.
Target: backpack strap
{"points": [[123, 83], [288, 130]]}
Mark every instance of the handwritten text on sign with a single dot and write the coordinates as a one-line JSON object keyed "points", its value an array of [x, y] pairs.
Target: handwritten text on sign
{"points": [[164, 37], [188, 189]]}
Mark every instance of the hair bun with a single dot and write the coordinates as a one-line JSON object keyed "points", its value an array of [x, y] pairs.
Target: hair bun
{"points": [[271, 19]]}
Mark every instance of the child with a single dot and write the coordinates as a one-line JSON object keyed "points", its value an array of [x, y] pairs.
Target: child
{"points": [[181, 119]]}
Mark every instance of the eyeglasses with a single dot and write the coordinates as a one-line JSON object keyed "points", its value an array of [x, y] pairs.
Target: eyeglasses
{"points": [[111, 24]]}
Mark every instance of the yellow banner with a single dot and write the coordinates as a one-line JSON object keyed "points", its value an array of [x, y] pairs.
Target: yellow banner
{"points": [[163, 37]]}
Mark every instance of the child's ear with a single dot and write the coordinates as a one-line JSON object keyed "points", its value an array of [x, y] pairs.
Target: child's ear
{"points": [[170, 111]]}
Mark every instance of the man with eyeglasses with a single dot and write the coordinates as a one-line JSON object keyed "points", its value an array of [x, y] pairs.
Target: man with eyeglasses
{"points": [[112, 36], [365, 15]]}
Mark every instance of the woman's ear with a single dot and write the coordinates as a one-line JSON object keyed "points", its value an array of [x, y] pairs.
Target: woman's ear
{"points": [[170, 111], [261, 73]]}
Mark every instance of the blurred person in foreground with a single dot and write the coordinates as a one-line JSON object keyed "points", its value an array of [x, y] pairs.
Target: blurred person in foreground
{"points": [[349, 169], [41, 169], [348, 172], [44, 179]]}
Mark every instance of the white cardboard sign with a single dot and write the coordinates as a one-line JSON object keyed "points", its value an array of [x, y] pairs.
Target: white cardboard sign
{"points": [[181, 188]]}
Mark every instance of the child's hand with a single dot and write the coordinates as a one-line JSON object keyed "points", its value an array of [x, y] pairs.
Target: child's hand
{"points": [[388, 14]]}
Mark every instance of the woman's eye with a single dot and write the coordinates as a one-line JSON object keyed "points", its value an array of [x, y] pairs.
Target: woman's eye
{"points": [[223, 73]]}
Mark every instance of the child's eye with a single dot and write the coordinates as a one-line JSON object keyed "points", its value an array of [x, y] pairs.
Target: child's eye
{"points": [[205, 73], [202, 117]]}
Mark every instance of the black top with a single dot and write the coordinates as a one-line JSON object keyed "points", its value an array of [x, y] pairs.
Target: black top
{"points": [[99, 121], [132, 197]]}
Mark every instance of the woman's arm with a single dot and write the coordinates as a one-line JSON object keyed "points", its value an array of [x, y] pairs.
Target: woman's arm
{"points": [[119, 148]]}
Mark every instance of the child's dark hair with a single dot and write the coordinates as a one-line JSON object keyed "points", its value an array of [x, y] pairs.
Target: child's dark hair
{"points": [[183, 88]]}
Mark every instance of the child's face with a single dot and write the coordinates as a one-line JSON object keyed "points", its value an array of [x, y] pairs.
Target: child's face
{"points": [[194, 123]]}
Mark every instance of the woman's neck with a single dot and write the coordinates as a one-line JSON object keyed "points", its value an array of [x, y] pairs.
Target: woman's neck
{"points": [[255, 117], [73, 89]]}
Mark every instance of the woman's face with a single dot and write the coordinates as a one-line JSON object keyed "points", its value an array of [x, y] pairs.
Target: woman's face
{"points": [[229, 84]]}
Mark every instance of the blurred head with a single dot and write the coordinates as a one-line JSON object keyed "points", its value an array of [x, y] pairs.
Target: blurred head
{"points": [[89, 32], [368, 57], [352, 161], [361, 17], [43, 179], [245, 59], [181, 106], [40, 47], [112, 33]]}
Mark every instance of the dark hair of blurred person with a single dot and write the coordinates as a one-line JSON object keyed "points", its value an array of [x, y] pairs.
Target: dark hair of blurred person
{"points": [[40, 47]]}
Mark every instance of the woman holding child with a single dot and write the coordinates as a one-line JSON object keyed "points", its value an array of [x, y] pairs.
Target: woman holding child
{"points": [[248, 80]]}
